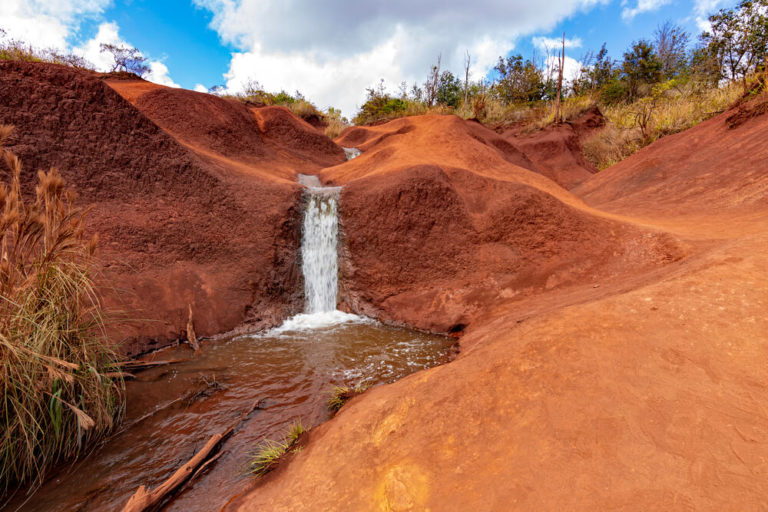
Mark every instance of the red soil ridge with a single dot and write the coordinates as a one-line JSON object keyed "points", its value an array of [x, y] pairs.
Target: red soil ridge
{"points": [[638, 382], [193, 196], [440, 220], [615, 335]]}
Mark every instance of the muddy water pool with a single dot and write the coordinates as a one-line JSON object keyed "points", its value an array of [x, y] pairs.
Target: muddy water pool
{"points": [[174, 409]]}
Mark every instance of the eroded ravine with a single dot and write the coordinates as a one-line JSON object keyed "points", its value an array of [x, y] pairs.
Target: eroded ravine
{"points": [[173, 410]]}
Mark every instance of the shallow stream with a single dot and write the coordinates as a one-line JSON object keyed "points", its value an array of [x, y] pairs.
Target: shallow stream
{"points": [[291, 373]]}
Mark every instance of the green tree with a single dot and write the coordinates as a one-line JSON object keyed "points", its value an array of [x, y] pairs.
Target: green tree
{"points": [[738, 39], [519, 80], [379, 105], [641, 68], [597, 72], [449, 90]]}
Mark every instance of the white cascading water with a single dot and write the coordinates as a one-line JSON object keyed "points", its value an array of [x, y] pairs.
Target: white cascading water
{"points": [[319, 257], [319, 260], [352, 153]]}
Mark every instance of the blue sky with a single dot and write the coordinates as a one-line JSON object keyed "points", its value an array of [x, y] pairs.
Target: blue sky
{"points": [[331, 50]]}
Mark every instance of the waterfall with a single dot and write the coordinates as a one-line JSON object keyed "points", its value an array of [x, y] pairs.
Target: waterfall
{"points": [[319, 257], [319, 261], [352, 153]]}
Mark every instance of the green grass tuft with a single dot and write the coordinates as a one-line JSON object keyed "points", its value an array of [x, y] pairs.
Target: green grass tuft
{"points": [[342, 394], [269, 452]]}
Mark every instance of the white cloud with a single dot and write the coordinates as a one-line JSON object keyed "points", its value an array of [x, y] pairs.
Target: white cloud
{"points": [[571, 68], [642, 6], [47, 23], [200, 88], [548, 43], [108, 33], [158, 73], [701, 11], [334, 49], [53, 23]]}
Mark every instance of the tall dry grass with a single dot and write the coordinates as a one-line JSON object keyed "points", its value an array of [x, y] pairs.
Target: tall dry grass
{"points": [[632, 126], [527, 117], [59, 385]]}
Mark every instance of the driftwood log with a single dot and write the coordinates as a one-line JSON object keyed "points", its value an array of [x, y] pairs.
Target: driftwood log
{"points": [[191, 336], [144, 500]]}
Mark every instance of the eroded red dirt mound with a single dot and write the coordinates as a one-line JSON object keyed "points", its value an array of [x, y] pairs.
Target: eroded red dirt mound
{"points": [[439, 224], [177, 226], [222, 128], [288, 131], [645, 392], [222, 125], [556, 150], [556, 153], [717, 165]]}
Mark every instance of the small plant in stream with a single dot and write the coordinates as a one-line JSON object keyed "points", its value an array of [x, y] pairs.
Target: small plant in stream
{"points": [[269, 452], [342, 394]]}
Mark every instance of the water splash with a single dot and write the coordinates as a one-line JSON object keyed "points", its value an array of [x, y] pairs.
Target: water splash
{"points": [[352, 153]]}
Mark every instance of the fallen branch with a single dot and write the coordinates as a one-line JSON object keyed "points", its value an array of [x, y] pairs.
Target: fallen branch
{"points": [[144, 500], [145, 365], [191, 336], [120, 375]]}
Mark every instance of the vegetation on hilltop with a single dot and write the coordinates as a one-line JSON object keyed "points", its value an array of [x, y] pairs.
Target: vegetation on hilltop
{"points": [[661, 85], [13, 49], [255, 93], [126, 59]]}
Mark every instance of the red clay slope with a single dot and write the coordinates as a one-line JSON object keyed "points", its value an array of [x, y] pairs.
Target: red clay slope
{"points": [[717, 165], [439, 222], [179, 223], [649, 394], [556, 150]]}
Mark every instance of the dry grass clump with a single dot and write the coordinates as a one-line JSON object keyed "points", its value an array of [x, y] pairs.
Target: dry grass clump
{"points": [[334, 128], [303, 109], [528, 117], [670, 109], [59, 389]]}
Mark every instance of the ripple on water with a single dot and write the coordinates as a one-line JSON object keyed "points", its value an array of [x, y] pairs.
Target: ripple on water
{"points": [[291, 369]]}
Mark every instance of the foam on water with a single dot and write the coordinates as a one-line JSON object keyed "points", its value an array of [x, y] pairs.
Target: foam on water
{"points": [[320, 320]]}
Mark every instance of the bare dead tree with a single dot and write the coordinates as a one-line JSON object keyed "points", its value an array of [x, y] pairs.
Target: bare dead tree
{"points": [[467, 62], [433, 81], [561, 62], [670, 43]]}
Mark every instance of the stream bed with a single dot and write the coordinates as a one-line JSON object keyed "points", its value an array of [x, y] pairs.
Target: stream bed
{"points": [[174, 409]]}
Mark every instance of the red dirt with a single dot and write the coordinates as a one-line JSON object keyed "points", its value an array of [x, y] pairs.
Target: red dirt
{"points": [[193, 201], [556, 153], [438, 224], [615, 335], [636, 383]]}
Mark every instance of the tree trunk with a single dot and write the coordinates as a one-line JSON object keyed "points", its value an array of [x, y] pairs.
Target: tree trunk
{"points": [[561, 61]]}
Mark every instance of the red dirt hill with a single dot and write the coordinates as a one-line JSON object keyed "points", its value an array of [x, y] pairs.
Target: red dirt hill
{"points": [[194, 196], [717, 165], [556, 150], [440, 221], [645, 393]]}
